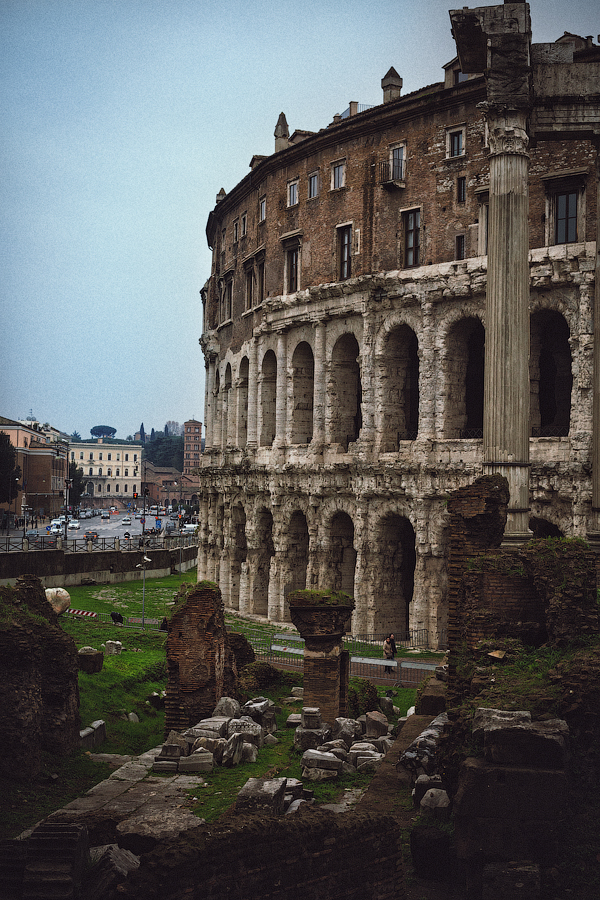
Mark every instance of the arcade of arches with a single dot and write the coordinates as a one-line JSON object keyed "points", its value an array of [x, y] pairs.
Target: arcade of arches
{"points": [[333, 440]]}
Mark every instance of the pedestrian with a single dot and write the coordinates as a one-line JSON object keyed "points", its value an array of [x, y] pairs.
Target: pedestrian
{"points": [[388, 652]]}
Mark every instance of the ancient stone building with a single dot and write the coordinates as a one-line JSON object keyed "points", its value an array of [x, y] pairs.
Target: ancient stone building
{"points": [[353, 309]]}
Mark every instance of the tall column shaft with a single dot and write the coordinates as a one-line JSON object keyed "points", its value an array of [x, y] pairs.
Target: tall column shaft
{"points": [[320, 380], [595, 519], [506, 383], [209, 411]]}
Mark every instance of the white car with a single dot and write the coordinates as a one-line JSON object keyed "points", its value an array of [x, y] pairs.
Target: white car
{"points": [[73, 524], [126, 520], [55, 528]]}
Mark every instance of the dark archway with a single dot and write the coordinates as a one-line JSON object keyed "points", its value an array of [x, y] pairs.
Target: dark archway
{"points": [[265, 551], [297, 556], [395, 578], [399, 388], [343, 554], [345, 395], [550, 372], [268, 398], [465, 361], [303, 388]]}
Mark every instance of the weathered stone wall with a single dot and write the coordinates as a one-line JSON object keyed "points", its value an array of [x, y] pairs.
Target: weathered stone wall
{"points": [[310, 855], [39, 676]]}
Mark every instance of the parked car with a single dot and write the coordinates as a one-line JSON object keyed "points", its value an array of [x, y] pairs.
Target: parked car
{"points": [[91, 535]]}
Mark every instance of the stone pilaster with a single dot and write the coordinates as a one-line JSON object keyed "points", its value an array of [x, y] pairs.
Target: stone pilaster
{"points": [[209, 413], [506, 384], [320, 387], [594, 530], [252, 432]]}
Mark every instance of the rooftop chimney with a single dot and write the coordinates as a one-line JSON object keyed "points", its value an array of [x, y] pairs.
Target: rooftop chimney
{"points": [[392, 86], [282, 133], [221, 195]]}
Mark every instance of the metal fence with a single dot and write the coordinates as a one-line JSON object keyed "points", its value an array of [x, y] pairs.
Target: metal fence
{"points": [[14, 543]]}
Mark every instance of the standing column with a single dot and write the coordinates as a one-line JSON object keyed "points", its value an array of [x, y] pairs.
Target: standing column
{"points": [[320, 383], [281, 399], [506, 380], [251, 439]]}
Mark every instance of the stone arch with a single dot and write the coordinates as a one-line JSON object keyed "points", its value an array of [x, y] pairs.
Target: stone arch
{"points": [[296, 556], [344, 392], [543, 528], [550, 374], [237, 553], [264, 552], [394, 576], [342, 555], [463, 368], [303, 390], [242, 402], [398, 387], [268, 398]]}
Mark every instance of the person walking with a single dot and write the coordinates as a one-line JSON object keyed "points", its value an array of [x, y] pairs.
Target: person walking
{"points": [[389, 650]]}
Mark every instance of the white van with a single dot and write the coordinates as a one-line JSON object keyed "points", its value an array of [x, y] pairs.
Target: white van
{"points": [[189, 529]]}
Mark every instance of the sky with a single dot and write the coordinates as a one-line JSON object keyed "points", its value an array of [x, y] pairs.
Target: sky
{"points": [[120, 121]]}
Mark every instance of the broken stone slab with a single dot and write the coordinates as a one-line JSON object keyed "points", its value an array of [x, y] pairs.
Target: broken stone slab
{"points": [[312, 759], [233, 750], [368, 764], [347, 730], [485, 716], [294, 720], [298, 692], [383, 744], [199, 761], [143, 832], [311, 738], [257, 706], [270, 740], [178, 740], [253, 733], [386, 704], [316, 775], [423, 784], [165, 765], [262, 794], [436, 803], [340, 752], [90, 661], [517, 741], [356, 756], [249, 752], [419, 757], [216, 726], [170, 751], [227, 706], [111, 866], [311, 717], [213, 745], [113, 648], [59, 599]]}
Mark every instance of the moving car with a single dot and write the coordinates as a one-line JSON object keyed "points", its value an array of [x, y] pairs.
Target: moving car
{"points": [[105, 514], [126, 520], [32, 535], [91, 535], [73, 524]]}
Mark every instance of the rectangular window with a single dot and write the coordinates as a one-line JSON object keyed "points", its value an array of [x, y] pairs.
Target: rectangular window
{"points": [[262, 209], [244, 224], [313, 185], [81, 455], [292, 270], [459, 246], [249, 279], [461, 189], [135, 457], [456, 143], [236, 228], [292, 193], [338, 175], [345, 251], [228, 299], [566, 218], [109, 456], [412, 237]]}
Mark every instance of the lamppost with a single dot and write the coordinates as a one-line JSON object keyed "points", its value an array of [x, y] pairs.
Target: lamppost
{"points": [[142, 565], [68, 483]]}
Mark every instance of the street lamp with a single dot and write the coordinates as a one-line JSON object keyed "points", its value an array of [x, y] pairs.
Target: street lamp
{"points": [[142, 565], [68, 483]]}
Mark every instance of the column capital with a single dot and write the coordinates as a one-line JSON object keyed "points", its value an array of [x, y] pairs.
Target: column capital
{"points": [[507, 129]]}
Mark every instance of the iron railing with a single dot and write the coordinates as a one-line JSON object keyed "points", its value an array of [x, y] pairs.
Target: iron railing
{"points": [[13, 543], [392, 171]]}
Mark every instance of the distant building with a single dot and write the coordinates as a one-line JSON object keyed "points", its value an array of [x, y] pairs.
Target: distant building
{"points": [[42, 454], [192, 446], [111, 470]]}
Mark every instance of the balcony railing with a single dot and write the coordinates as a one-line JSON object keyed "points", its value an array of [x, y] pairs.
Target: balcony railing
{"points": [[392, 173]]}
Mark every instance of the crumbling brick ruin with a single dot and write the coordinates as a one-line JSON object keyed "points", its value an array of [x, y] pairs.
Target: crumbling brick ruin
{"points": [[359, 364], [38, 672], [201, 666]]}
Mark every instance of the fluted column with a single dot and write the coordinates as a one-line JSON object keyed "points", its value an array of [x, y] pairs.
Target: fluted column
{"points": [[281, 399], [506, 382], [252, 432]]}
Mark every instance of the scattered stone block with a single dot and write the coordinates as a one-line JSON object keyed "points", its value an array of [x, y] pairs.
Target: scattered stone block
{"points": [[318, 775], [386, 704], [142, 833], [249, 752], [262, 795], [228, 707], [270, 740], [347, 730], [311, 738], [253, 733], [298, 692], [165, 765], [312, 759], [216, 746], [368, 764], [517, 741], [90, 661], [133, 718], [112, 865], [113, 648], [436, 803], [311, 717], [294, 720], [199, 761], [233, 750]]}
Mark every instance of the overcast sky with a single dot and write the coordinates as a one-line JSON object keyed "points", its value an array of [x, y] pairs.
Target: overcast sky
{"points": [[121, 120]]}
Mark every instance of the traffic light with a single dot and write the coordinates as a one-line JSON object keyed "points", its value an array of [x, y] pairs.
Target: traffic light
{"points": [[135, 495], [146, 492]]}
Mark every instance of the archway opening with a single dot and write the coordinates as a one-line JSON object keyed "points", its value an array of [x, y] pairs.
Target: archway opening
{"points": [[239, 552], [345, 396], [303, 388], [268, 397], [242, 405], [465, 359], [343, 554], [550, 373], [265, 551], [297, 557], [395, 578], [399, 386]]}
